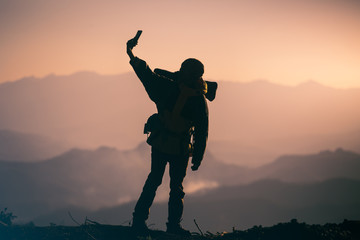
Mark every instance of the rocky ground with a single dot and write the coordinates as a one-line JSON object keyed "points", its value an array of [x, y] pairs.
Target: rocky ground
{"points": [[349, 230]]}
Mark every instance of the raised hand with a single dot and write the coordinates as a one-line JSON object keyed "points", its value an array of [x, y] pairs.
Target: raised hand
{"points": [[132, 43]]}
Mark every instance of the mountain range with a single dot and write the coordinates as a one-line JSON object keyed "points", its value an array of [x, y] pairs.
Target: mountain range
{"points": [[20, 147], [71, 143], [255, 122], [107, 177]]}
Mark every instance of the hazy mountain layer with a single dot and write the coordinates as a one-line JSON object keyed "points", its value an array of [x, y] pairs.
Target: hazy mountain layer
{"points": [[259, 120], [19, 147], [93, 179], [266, 202]]}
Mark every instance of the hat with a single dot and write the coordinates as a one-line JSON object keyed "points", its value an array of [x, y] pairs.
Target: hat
{"points": [[193, 67]]}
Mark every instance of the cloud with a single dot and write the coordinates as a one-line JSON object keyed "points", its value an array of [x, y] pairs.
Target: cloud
{"points": [[196, 186]]}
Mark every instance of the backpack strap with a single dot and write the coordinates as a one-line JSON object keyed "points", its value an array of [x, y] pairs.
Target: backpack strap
{"points": [[211, 86], [173, 121]]}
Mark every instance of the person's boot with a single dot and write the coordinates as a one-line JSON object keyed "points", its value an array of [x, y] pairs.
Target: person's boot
{"points": [[140, 227], [177, 229]]}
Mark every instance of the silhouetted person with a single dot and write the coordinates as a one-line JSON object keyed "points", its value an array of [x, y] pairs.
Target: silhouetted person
{"points": [[182, 108]]}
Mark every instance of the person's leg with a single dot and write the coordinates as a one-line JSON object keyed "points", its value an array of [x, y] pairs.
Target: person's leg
{"points": [[142, 208], [178, 167]]}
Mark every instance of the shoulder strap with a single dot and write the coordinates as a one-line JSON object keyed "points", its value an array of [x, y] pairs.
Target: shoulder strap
{"points": [[173, 120]]}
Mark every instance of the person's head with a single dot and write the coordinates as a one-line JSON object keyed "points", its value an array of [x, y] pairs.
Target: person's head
{"points": [[191, 72]]}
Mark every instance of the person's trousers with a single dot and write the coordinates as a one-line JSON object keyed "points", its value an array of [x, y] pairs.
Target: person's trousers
{"points": [[177, 171]]}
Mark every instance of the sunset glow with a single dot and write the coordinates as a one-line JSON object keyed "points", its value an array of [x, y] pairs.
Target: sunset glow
{"points": [[286, 42], [277, 140]]}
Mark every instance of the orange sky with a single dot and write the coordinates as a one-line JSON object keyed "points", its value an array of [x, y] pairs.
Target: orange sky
{"points": [[283, 41]]}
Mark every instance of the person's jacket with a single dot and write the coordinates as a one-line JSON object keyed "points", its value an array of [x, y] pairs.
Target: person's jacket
{"points": [[165, 93]]}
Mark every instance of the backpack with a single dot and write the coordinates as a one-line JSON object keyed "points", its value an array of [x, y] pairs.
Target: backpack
{"points": [[169, 131]]}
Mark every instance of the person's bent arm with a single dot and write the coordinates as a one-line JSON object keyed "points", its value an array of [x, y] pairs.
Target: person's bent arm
{"points": [[201, 135], [153, 83]]}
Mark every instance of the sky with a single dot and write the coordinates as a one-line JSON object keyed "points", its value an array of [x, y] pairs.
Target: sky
{"points": [[283, 41]]}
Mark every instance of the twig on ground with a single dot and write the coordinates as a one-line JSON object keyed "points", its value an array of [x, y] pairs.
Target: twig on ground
{"points": [[80, 226], [2, 223], [209, 234], [74, 219], [87, 220], [198, 227]]}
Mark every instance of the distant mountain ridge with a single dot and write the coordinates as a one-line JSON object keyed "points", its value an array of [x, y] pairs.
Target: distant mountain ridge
{"points": [[105, 177], [314, 167], [84, 109], [20, 147], [88, 110]]}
